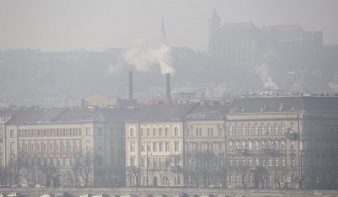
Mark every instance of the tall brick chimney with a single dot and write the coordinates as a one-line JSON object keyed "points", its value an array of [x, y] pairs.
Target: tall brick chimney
{"points": [[168, 91], [130, 74]]}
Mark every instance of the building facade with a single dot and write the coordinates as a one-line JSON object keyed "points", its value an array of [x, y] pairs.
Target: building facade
{"points": [[59, 146]]}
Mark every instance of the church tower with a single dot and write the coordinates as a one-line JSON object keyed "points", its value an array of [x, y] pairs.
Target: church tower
{"points": [[214, 26], [163, 33]]}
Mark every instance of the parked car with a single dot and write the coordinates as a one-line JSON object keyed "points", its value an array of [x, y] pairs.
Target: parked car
{"points": [[61, 195], [86, 195], [100, 195], [160, 195], [173, 195], [183, 195], [13, 194], [145, 195], [39, 186], [206, 195], [25, 185], [128, 195], [114, 195], [47, 195], [193, 195], [223, 196]]}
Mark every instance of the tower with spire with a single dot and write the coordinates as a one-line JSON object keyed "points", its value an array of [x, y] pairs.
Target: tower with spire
{"points": [[163, 32], [214, 26]]}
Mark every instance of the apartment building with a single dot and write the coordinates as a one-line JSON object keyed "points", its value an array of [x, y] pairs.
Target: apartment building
{"points": [[154, 139], [283, 142], [61, 146]]}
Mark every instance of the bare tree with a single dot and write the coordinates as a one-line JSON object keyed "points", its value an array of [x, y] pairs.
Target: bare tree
{"points": [[83, 165], [135, 172], [175, 162]]}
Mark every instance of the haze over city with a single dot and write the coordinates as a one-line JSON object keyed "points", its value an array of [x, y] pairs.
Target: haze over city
{"points": [[95, 26], [168, 98]]}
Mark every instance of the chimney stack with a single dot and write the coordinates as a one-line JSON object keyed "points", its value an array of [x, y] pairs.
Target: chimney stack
{"points": [[130, 85], [168, 91]]}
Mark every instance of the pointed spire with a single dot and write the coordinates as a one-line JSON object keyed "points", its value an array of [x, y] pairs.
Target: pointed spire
{"points": [[163, 32]]}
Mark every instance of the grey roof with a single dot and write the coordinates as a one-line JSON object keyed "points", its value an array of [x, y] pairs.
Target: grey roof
{"points": [[63, 115], [35, 116], [97, 115], [81, 115], [208, 112], [267, 104], [320, 104], [285, 104], [163, 112], [8, 113]]}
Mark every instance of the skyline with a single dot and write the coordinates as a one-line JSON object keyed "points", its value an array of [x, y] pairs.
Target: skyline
{"points": [[69, 26]]}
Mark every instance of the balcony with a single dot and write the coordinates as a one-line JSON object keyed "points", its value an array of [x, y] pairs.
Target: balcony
{"points": [[291, 136]]}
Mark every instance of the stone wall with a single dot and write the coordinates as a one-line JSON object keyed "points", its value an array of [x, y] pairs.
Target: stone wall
{"points": [[75, 192]]}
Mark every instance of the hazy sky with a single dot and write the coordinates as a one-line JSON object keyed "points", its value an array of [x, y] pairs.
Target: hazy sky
{"points": [[63, 25]]}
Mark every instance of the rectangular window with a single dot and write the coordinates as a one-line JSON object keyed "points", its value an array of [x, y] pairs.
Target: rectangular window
{"points": [[154, 146], [166, 146], [33, 148], [160, 146], [11, 148], [176, 146], [11, 133], [45, 147], [71, 147], [51, 147], [142, 147], [77, 147], [57, 132], [132, 146], [20, 133], [51, 132], [45, 133], [26, 147], [87, 146], [20, 148], [58, 147], [132, 161], [99, 131], [39, 147], [87, 131], [148, 146]]}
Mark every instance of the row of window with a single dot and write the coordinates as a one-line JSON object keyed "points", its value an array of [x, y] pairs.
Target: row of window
{"points": [[259, 145], [38, 147], [154, 131], [259, 129], [272, 161], [154, 146]]}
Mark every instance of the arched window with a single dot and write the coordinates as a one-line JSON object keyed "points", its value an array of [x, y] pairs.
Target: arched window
{"points": [[154, 131], [242, 129], [256, 129], [176, 131], [166, 131], [230, 145], [160, 131], [230, 130], [262, 144], [148, 131], [237, 145], [142, 131], [275, 128], [131, 132], [236, 129]]}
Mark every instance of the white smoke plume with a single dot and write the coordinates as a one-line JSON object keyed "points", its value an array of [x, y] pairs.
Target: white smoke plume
{"points": [[263, 70], [144, 58], [146, 54]]}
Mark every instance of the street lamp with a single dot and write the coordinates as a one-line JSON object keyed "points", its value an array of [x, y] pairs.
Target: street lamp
{"points": [[317, 182], [10, 168]]}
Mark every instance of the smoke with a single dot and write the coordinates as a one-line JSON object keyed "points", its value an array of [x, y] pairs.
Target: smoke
{"points": [[145, 55], [145, 58], [115, 68], [263, 70]]}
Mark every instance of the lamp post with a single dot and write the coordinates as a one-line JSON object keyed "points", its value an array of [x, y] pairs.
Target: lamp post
{"points": [[147, 180], [10, 169], [317, 182]]}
